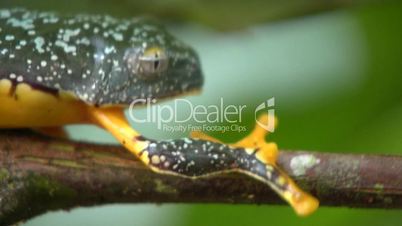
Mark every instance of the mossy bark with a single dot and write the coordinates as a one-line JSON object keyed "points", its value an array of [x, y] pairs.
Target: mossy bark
{"points": [[38, 174]]}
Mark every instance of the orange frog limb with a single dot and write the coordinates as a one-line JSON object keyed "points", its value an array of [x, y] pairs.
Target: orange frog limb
{"points": [[114, 121]]}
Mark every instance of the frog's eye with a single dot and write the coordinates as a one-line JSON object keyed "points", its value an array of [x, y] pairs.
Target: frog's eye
{"points": [[147, 63], [153, 60]]}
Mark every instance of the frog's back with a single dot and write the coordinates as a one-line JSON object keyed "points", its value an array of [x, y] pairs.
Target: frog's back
{"points": [[48, 65], [55, 53]]}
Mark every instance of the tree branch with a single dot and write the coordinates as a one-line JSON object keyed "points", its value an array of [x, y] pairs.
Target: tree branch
{"points": [[38, 174]]}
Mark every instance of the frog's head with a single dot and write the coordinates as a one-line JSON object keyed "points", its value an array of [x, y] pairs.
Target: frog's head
{"points": [[152, 64]]}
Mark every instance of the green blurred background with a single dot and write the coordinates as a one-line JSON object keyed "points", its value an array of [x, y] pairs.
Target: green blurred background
{"points": [[334, 67]]}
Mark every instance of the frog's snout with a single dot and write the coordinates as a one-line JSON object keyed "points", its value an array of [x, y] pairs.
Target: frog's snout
{"points": [[196, 80]]}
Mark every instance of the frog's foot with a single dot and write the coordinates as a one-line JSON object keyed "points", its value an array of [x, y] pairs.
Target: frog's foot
{"points": [[257, 137], [267, 152], [56, 132], [303, 203]]}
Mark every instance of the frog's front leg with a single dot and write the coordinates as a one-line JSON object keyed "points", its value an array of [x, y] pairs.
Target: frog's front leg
{"points": [[194, 158], [113, 120]]}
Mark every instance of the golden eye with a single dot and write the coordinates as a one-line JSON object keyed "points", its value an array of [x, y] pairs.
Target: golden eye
{"points": [[152, 62]]}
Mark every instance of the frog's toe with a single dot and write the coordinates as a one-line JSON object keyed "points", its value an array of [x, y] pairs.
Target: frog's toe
{"points": [[305, 204], [257, 137], [268, 153]]}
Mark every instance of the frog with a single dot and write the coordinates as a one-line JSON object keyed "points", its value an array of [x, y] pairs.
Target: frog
{"points": [[58, 70]]}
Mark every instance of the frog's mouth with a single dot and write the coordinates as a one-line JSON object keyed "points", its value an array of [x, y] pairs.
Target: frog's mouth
{"points": [[194, 87], [179, 84], [141, 104], [189, 89]]}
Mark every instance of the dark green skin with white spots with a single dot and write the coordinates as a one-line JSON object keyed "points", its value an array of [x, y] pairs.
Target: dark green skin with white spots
{"points": [[95, 57]]}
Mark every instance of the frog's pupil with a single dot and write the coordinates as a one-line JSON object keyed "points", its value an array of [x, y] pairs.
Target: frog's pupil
{"points": [[156, 62]]}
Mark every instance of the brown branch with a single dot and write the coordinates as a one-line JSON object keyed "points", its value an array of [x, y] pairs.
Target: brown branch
{"points": [[39, 174]]}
